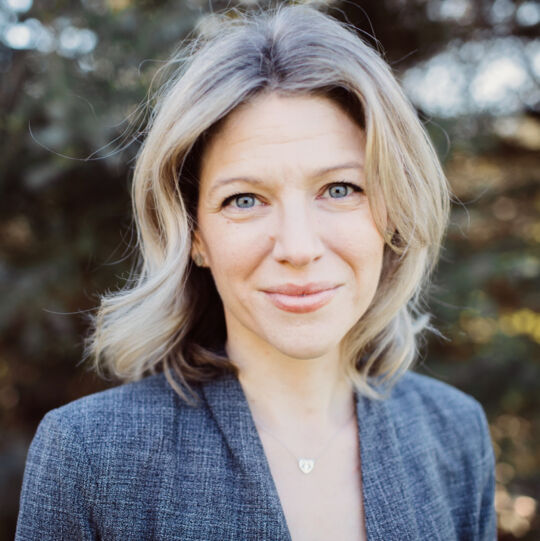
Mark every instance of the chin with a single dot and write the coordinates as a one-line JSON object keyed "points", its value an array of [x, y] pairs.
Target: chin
{"points": [[305, 338], [300, 348]]}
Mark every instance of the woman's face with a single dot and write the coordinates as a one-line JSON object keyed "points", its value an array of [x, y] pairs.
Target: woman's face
{"points": [[285, 227]]}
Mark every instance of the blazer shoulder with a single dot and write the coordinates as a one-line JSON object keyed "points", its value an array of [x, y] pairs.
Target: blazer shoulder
{"points": [[427, 390], [94, 456], [443, 441], [127, 411], [435, 407]]}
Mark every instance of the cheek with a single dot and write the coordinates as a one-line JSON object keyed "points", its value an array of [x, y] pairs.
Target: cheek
{"points": [[357, 241], [234, 250]]}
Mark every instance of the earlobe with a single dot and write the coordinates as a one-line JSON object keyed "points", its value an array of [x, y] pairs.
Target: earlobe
{"points": [[198, 259]]}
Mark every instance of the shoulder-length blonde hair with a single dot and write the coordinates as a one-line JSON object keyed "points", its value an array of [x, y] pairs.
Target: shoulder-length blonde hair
{"points": [[169, 315]]}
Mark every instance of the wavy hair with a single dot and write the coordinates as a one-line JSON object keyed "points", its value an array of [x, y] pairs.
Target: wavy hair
{"points": [[169, 316]]}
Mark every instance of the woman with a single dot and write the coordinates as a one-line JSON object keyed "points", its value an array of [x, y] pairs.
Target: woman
{"points": [[290, 209]]}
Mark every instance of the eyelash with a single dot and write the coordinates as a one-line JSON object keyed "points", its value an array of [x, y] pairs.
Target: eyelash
{"points": [[355, 188]]}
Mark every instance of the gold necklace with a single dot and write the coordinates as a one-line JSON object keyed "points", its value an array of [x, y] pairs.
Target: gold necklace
{"points": [[306, 465]]}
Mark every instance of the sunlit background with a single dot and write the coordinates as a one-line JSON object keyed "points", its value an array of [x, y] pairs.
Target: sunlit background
{"points": [[72, 77]]}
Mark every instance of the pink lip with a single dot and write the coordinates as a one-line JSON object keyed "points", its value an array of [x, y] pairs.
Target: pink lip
{"points": [[300, 299], [305, 289]]}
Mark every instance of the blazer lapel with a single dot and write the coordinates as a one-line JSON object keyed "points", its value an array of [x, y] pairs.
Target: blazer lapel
{"points": [[228, 404], [389, 514]]}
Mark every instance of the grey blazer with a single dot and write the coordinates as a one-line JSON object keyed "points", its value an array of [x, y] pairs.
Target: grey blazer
{"points": [[137, 463]]}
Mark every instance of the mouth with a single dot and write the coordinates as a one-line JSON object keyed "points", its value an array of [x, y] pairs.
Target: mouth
{"points": [[301, 299]]}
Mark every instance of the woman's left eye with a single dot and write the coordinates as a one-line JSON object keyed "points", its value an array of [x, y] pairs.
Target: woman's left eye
{"points": [[339, 190]]}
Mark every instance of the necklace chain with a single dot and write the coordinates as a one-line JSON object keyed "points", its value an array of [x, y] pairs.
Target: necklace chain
{"points": [[306, 465]]}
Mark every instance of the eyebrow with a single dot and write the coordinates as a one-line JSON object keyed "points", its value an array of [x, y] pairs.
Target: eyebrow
{"points": [[317, 173]]}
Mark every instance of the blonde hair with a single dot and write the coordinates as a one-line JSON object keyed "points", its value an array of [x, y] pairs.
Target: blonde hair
{"points": [[169, 315]]}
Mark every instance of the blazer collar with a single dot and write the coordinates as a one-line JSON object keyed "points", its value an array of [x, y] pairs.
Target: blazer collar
{"points": [[389, 514]]}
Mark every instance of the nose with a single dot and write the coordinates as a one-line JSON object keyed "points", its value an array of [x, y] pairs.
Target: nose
{"points": [[296, 235]]}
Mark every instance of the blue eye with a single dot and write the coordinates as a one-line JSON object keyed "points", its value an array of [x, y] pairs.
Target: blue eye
{"points": [[245, 201], [242, 200], [342, 189]]}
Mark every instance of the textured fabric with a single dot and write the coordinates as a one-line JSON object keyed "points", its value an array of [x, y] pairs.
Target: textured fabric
{"points": [[137, 463]]}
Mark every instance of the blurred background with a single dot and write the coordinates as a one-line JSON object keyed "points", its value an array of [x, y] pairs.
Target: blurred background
{"points": [[72, 73]]}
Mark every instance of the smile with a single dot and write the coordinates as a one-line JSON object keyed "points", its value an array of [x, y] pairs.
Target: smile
{"points": [[302, 303]]}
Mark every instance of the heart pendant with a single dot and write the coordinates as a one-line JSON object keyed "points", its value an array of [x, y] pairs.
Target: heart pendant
{"points": [[306, 464]]}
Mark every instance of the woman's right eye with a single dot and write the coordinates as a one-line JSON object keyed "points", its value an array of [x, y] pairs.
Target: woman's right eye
{"points": [[240, 200]]}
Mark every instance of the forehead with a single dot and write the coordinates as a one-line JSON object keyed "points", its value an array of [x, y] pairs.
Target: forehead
{"points": [[274, 131]]}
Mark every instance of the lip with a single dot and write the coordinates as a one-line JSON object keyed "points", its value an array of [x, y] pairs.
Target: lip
{"points": [[301, 299], [302, 289]]}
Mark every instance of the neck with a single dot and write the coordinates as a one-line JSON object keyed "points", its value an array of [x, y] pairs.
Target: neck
{"points": [[287, 394]]}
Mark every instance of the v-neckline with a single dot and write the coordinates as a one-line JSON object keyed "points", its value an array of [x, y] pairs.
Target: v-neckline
{"points": [[388, 512]]}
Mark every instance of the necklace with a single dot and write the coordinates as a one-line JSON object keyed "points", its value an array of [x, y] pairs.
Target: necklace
{"points": [[306, 465]]}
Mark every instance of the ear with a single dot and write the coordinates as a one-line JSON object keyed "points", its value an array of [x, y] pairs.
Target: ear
{"points": [[197, 250], [195, 243]]}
